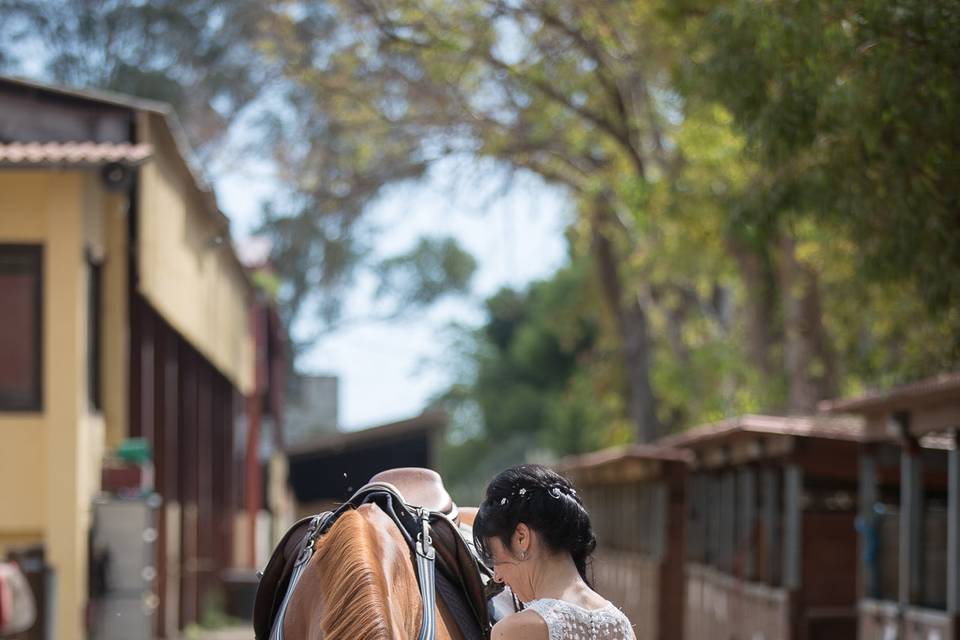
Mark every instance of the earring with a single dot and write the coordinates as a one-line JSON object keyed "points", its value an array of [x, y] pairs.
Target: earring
{"points": [[523, 555]]}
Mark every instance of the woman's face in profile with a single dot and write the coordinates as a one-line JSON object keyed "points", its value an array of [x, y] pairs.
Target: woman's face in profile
{"points": [[507, 568]]}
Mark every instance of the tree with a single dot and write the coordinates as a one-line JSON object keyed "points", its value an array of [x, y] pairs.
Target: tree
{"points": [[199, 56], [536, 381], [212, 61], [747, 179], [852, 107], [564, 90]]}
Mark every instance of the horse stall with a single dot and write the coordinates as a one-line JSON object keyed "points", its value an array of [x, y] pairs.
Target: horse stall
{"points": [[909, 578], [636, 499], [771, 535]]}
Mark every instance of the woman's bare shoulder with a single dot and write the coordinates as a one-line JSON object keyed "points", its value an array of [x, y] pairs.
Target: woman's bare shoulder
{"points": [[526, 625]]}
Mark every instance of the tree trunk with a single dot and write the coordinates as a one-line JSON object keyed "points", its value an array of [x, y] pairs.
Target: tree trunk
{"points": [[763, 330], [808, 358], [632, 326]]}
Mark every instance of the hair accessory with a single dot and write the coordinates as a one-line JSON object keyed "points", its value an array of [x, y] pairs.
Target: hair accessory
{"points": [[559, 490]]}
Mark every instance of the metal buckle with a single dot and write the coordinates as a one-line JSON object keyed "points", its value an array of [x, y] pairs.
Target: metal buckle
{"points": [[307, 551], [424, 541], [304, 554]]}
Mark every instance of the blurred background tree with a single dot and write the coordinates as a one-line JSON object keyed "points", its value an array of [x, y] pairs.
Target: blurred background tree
{"points": [[767, 194]]}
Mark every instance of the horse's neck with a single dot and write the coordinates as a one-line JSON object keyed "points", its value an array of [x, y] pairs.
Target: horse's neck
{"points": [[360, 585]]}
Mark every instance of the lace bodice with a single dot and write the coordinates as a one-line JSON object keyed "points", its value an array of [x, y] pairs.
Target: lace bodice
{"points": [[567, 621]]}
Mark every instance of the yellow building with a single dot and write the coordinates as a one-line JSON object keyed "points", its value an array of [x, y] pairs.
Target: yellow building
{"points": [[123, 312]]}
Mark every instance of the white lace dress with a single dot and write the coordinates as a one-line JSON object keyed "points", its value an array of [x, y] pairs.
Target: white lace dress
{"points": [[567, 621]]}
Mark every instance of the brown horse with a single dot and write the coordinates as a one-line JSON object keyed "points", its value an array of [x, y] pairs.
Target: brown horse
{"points": [[360, 584]]}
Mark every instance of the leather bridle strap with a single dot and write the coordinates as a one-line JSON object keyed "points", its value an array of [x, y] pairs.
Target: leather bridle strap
{"points": [[306, 552], [426, 577]]}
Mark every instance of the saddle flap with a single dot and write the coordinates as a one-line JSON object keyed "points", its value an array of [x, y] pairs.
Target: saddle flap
{"points": [[460, 565], [276, 577]]}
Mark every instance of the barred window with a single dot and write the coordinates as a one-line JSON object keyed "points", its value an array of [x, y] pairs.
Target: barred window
{"points": [[21, 328]]}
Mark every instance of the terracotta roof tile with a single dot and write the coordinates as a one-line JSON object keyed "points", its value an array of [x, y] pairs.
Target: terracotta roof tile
{"points": [[72, 153]]}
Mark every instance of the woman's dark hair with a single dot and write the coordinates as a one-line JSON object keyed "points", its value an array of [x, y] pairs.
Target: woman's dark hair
{"points": [[543, 500]]}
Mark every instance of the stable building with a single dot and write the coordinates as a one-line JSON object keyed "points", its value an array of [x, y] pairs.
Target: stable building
{"points": [[326, 470], [909, 561], [125, 313], [636, 496], [771, 528]]}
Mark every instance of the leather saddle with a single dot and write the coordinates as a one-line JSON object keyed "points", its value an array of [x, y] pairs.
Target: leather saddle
{"points": [[460, 577], [420, 488]]}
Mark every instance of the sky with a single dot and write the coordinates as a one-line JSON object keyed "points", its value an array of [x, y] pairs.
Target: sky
{"points": [[390, 370]]}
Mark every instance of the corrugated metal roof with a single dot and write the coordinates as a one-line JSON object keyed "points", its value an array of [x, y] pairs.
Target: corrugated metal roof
{"points": [[72, 153]]}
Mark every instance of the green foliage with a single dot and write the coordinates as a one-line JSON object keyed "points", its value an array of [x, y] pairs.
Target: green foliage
{"points": [[540, 384], [743, 173], [268, 282], [435, 267], [197, 55], [854, 110]]}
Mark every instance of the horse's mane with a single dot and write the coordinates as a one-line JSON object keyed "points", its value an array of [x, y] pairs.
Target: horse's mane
{"points": [[354, 597]]}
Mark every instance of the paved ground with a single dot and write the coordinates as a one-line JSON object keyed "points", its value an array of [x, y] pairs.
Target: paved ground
{"points": [[228, 633]]}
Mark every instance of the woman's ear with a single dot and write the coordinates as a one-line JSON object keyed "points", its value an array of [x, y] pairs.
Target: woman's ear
{"points": [[521, 538]]}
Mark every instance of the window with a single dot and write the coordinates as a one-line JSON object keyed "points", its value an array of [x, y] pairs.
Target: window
{"points": [[21, 327], [94, 341]]}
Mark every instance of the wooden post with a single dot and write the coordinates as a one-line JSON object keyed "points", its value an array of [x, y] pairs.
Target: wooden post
{"points": [[661, 512], [911, 509], [769, 497], [869, 580], [730, 519], [722, 528], [692, 516], [793, 525], [748, 515], [714, 540], [703, 518], [953, 527], [252, 488]]}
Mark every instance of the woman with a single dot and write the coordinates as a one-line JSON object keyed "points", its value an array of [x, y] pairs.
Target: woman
{"points": [[532, 527]]}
